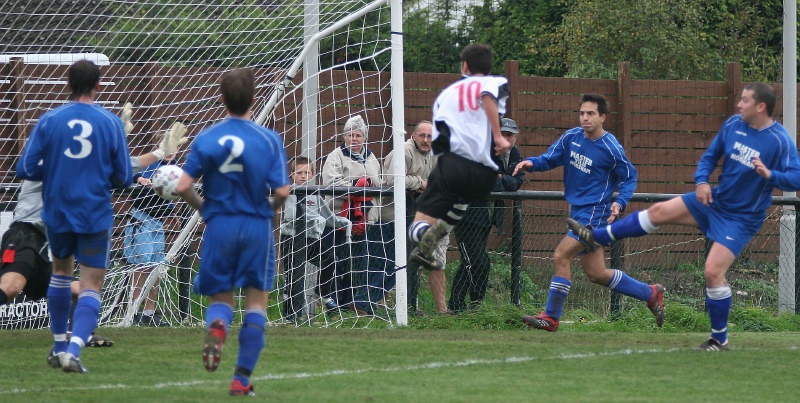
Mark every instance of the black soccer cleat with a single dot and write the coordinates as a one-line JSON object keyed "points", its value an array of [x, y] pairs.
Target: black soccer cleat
{"points": [[584, 233], [96, 340], [713, 345], [54, 359]]}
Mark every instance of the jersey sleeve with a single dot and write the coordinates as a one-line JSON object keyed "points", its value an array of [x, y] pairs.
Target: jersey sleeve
{"points": [[708, 162], [553, 158], [193, 166], [29, 165], [787, 175], [123, 170], [628, 178], [279, 176]]}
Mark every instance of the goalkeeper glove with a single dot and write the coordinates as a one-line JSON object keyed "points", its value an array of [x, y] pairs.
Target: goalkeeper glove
{"points": [[171, 140], [127, 112]]}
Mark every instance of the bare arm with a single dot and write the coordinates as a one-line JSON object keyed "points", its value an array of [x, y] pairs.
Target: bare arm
{"points": [[278, 197], [188, 193], [501, 145]]}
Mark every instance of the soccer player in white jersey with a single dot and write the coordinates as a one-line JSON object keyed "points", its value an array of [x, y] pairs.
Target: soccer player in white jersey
{"points": [[79, 151], [241, 164], [595, 166], [757, 156], [466, 120]]}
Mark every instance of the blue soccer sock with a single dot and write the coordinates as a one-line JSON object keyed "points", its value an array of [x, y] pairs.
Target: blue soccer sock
{"points": [[718, 303], [627, 285], [84, 320], [559, 290], [634, 225], [219, 310], [251, 342], [59, 301]]}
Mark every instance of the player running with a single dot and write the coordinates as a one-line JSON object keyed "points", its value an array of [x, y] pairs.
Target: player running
{"points": [[595, 166], [241, 163], [757, 156]]}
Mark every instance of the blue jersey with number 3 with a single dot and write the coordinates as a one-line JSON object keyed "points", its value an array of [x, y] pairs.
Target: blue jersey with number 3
{"points": [[79, 152], [240, 163]]}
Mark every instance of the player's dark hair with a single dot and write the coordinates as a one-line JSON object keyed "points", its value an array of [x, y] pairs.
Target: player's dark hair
{"points": [[238, 87], [479, 58], [601, 101], [82, 78], [763, 93], [301, 160]]}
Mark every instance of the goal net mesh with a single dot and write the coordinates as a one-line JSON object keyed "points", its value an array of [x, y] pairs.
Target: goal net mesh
{"points": [[166, 57]]}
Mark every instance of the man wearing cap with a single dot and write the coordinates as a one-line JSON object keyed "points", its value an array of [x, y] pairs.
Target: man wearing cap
{"points": [[472, 232]]}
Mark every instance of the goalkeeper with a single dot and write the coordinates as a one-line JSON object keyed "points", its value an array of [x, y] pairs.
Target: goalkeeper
{"points": [[26, 266]]}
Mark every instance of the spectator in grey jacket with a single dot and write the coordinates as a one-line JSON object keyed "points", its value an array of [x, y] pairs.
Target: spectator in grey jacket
{"points": [[305, 217]]}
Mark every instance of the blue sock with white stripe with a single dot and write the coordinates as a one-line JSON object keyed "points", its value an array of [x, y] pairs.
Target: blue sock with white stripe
{"points": [[634, 225], [251, 342], [219, 310], [559, 290], [59, 301], [718, 303], [84, 320], [627, 285]]}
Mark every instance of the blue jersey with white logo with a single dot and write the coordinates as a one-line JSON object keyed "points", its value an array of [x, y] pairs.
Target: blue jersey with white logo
{"points": [[740, 187], [593, 169], [240, 163], [79, 152]]}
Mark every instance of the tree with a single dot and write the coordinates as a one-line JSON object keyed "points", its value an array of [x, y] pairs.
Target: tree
{"points": [[220, 33], [429, 43]]}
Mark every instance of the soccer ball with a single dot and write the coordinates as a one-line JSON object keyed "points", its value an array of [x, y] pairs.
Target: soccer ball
{"points": [[165, 181]]}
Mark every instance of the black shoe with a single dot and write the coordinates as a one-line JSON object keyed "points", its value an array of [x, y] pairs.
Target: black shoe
{"points": [[584, 233], [427, 262], [713, 345], [96, 340], [54, 359]]}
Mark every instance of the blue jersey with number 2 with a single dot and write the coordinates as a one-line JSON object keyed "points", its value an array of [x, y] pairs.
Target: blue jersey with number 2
{"points": [[240, 163]]}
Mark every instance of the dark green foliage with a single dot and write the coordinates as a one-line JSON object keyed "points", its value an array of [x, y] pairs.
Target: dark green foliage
{"points": [[222, 33], [676, 39]]}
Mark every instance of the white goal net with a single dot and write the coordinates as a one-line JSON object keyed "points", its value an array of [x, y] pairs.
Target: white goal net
{"points": [[318, 63]]}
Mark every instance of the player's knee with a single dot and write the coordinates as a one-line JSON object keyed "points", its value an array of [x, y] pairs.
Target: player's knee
{"points": [[12, 284], [11, 292]]}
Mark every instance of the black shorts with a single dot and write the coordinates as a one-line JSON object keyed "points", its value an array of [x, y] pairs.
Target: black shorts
{"points": [[25, 252], [455, 180]]}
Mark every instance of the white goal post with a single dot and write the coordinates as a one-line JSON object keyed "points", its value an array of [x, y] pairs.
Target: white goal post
{"points": [[310, 85], [166, 57]]}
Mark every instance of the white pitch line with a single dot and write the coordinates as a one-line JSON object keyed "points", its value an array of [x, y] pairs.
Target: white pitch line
{"points": [[340, 372]]}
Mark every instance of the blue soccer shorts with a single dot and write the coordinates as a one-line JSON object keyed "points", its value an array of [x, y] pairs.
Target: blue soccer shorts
{"points": [[237, 252], [733, 231], [144, 239], [89, 249], [593, 216]]}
